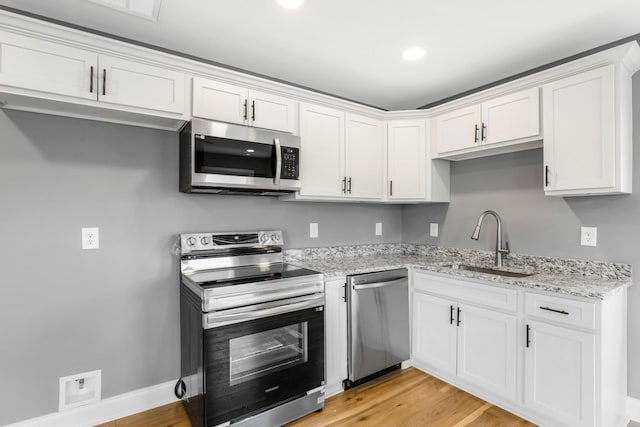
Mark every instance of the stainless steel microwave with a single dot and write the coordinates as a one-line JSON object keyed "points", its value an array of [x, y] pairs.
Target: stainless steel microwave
{"points": [[224, 158]]}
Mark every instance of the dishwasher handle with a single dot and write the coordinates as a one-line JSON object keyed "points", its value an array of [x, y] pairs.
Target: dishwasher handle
{"points": [[379, 284]]}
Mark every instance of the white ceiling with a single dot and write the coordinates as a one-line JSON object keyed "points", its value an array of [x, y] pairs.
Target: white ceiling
{"points": [[353, 48]]}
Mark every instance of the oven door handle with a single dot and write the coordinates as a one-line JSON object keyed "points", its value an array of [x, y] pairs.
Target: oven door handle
{"points": [[276, 178], [219, 318]]}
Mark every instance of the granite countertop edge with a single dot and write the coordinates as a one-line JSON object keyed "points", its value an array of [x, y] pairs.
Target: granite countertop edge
{"points": [[613, 278]]}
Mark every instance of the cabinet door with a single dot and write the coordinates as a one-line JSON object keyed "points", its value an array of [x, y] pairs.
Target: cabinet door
{"points": [[434, 332], [134, 84], [321, 151], [273, 112], [220, 101], [335, 335], [29, 63], [511, 117], [407, 159], [458, 129], [364, 155], [560, 374], [487, 350], [579, 132]]}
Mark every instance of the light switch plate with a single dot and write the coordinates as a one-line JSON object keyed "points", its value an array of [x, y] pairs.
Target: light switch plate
{"points": [[433, 230], [588, 236], [313, 230], [378, 229]]}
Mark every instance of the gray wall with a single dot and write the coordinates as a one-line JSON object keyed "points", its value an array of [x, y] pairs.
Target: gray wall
{"points": [[64, 310], [538, 225]]}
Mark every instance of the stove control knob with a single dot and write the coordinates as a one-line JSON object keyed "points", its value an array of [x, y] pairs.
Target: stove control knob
{"points": [[204, 241], [275, 237], [264, 238], [191, 241]]}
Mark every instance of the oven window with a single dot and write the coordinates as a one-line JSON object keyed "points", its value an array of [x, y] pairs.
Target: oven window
{"points": [[231, 157], [256, 355]]}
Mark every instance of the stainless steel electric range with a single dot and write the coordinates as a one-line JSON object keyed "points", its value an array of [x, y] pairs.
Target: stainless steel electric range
{"points": [[252, 331]]}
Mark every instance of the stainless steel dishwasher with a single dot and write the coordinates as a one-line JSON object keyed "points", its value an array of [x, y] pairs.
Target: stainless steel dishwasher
{"points": [[378, 324]]}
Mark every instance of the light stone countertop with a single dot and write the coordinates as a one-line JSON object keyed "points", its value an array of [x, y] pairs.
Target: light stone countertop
{"points": [[582, 278]]}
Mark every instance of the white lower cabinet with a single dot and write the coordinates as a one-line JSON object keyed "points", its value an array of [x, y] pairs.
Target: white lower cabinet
{"points": [[553, 359], [335, 316], [434, 332], [487, 349], [472, 343], [560, 373]]}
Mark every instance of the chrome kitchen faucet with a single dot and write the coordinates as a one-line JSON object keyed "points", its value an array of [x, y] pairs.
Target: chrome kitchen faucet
{"points": [[500, 251]]}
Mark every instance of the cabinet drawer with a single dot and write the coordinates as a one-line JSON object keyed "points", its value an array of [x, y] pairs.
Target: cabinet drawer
{"points": [[562, 310], [493, 296]]}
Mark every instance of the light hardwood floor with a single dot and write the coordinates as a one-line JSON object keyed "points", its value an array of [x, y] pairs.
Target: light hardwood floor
{"points": [[409, 398]]}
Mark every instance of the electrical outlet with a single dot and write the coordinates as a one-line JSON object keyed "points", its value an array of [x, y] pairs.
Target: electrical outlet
{"points": [[91, 238], [80, 389], [588, 236], [433, 230], [378, 229], [313, 230]]}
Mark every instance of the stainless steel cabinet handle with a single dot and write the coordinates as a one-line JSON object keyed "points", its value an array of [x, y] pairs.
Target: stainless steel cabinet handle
{"points": [[379, 284], [246, 101], [253, 111], [276, 178], [483, 134], [91, 81], [459, 321], [451, 315], [344, 292], [104, 82], [349, 186], [528, 337], [344, 185], [475, 134], [554, 310], [390, 188]]}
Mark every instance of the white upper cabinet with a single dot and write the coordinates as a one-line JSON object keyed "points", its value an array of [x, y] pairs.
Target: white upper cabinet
{"points": [[407, 157], [133, 84], [236, 104], [364, 157], [587, 133], [495, 126], [220, 101], [321, 151], [34, 72], [43, 66], [457, 130], [341, 155]]}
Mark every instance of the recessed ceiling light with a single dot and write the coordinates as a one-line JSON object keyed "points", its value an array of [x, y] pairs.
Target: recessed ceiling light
{"points": [[413, 53], [290, 4]]}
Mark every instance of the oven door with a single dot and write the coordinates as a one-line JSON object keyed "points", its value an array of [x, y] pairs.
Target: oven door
{"points": [[255, 365]]}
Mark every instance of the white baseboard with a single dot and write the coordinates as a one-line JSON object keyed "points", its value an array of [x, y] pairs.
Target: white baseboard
{"points": [[108, 409], [633, 408]]}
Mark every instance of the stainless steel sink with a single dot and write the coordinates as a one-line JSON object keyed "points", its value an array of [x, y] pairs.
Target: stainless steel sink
{"points": [[488, 270]]}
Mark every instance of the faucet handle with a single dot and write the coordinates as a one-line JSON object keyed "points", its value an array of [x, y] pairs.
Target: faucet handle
{"points": [[505, 250]]}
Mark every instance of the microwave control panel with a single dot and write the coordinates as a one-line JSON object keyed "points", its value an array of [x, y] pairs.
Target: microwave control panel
{"points": [[290, 161]]}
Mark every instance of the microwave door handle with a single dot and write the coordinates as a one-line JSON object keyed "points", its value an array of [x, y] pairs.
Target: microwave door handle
{"points": [[276, 178]]}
